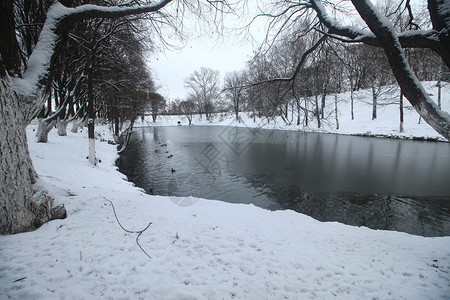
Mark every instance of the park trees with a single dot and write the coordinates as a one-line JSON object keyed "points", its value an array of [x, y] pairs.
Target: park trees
{"points": [[380, 32], [22, 75]]}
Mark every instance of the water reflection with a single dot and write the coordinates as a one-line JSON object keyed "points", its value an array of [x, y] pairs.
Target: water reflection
{"points": [[418, 215], [379, 183]]}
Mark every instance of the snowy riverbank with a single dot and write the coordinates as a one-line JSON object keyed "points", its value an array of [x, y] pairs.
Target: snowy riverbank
{"points": [[210, 250], [386, 124]]}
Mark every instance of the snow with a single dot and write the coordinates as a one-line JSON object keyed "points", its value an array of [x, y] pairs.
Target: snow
{"points": [[356, 33], [210, 250], [39, 60]]}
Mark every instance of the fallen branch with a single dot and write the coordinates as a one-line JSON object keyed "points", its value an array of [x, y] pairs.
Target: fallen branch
{"points": [[130, 231]]}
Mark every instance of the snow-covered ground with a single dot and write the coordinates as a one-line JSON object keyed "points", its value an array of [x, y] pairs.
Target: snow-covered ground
{"points": [[387, 122], [210, 250]]}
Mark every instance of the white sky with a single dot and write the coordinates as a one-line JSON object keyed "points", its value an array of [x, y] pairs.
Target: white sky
{"points": [[172, 67], [225, 53]]}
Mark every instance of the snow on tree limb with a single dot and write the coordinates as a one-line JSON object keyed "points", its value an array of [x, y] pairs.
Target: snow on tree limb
{"points": [[39, 61], [408, 39]]}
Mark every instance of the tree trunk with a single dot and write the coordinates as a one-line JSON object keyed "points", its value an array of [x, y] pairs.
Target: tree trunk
{"points": [[306, 112], [336, 110], [76, 125], [44, 128], [62, 127], [439, 86], [236, 108], [351, 103], [322, 109], [316, 98], [292, 111], [9, 47], [401, 112], [20, 210], [91, 119], [374, 102], [439, 16]]}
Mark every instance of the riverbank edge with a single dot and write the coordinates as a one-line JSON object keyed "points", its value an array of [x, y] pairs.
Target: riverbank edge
{"points": [[427, 135]]}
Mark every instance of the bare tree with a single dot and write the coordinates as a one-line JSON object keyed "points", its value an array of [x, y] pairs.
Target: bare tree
{"points": [[203, 86], [355, 70], [234, 88], [157, 104], [188, 109]]}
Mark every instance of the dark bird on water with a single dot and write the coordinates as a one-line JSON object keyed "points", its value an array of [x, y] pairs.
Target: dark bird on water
{"points": [[173, 171]]}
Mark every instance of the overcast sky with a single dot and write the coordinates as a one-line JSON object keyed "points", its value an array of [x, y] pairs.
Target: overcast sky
{"points": [[205, 48], [172, 67]]}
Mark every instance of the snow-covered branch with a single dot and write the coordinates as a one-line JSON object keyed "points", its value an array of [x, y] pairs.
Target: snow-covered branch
{"points": [[58, 15], [408, 39]]}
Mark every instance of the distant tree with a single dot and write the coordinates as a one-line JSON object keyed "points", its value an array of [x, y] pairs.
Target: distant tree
{"points": [[234, 89], [203, 86], [157, 104], [355, 71], [188, 109], [174, 107]]}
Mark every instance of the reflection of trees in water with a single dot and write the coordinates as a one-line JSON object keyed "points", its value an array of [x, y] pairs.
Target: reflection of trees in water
{"points": [[283, 170], [415, 215]]}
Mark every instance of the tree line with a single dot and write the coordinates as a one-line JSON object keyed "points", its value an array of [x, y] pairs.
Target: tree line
{"points": [[335, 66], [98, 71]]}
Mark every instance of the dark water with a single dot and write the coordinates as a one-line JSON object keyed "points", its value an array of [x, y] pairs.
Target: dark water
{"points": [[379, 183]]}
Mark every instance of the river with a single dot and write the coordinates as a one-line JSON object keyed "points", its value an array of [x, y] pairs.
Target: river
{"points": [[389, 184]]}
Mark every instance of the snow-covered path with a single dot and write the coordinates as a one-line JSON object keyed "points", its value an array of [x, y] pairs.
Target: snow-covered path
{"points": [[210, 250]]}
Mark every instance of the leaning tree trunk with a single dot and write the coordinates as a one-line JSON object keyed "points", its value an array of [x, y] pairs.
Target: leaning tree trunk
{"points": [[19, 209], [410, 85]]}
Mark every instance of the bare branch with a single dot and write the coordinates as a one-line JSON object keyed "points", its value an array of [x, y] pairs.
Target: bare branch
{"points": [[409, 39], [297, 69]]}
